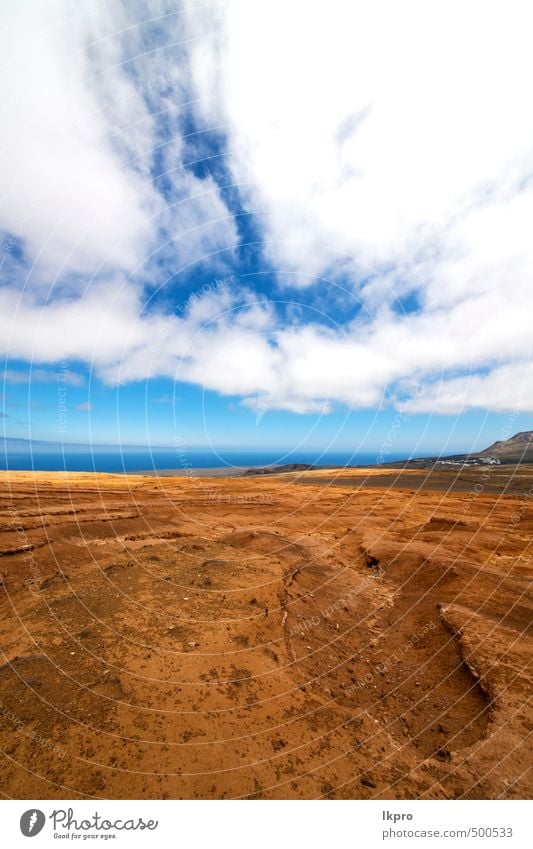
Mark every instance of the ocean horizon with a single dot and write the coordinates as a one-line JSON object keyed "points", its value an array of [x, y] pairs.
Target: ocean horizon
{"points": [[129, 460]]}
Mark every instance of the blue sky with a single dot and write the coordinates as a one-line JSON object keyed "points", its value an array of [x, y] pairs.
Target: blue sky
{"points": [[208, 246]]}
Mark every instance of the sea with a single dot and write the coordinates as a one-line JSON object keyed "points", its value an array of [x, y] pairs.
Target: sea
{"points": [[130, 460]]}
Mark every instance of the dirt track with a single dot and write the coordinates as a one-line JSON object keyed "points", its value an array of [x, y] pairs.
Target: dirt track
{"points": [[175, 638]]}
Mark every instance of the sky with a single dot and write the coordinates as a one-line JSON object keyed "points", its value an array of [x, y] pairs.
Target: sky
{"points": [[266, 224]]}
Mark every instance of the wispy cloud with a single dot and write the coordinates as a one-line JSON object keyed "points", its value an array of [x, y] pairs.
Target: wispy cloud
{"points": [[40, 375]]}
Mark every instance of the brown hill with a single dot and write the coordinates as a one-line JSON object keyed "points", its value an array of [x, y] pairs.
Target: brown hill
{"points": [[517, 449]]}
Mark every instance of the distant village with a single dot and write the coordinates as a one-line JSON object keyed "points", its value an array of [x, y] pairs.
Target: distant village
{"points": [[475, 461]]}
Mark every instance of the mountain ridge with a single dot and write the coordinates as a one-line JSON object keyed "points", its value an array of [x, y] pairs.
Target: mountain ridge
{"points": [[519, 444]]}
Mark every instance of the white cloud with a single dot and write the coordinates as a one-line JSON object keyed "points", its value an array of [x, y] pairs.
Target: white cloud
{"points": [[394, 141], [59, 165], [228, 342], [368, 129], [78, 141], [508, 387]]}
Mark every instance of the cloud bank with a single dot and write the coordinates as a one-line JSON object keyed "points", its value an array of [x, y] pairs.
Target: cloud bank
{"points": [[387, 147]]}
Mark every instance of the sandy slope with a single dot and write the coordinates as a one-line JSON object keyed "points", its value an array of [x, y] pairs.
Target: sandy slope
{"points": [[263, 637]]}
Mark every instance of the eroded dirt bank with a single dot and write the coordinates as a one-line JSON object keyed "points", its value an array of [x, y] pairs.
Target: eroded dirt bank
{"points": [[177, 638]]}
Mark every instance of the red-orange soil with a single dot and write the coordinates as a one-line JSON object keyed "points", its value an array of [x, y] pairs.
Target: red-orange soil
{"points": [[263, 638]]}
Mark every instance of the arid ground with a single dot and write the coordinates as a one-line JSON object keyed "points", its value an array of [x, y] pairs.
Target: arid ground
{"points": [[363, 634]]}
